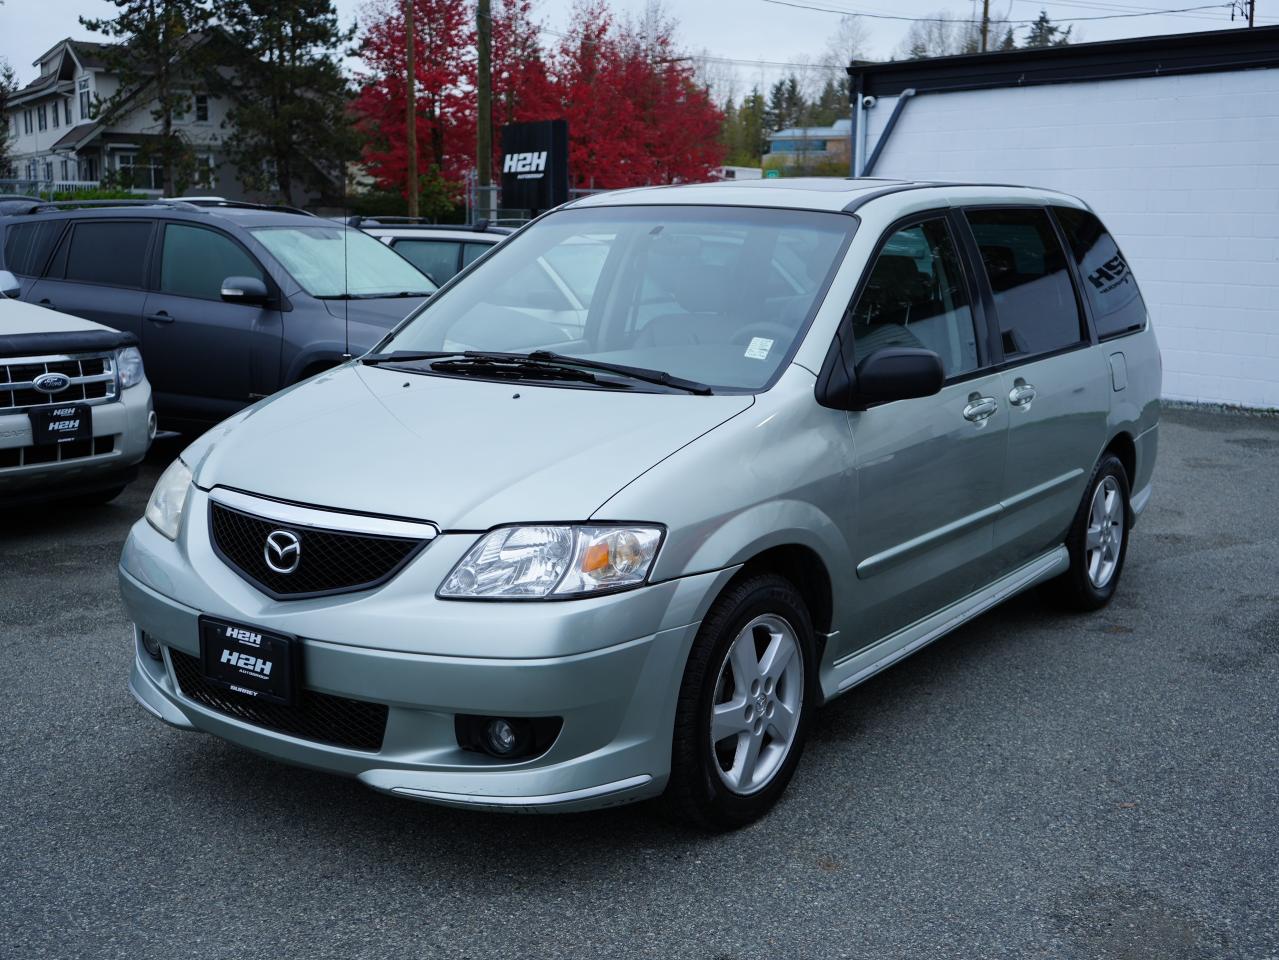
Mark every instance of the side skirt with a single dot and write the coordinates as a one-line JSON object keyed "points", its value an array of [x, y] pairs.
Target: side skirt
{"points": [[864, 664]]}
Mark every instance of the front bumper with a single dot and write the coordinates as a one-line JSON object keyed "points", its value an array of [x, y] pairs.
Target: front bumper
{"points": [[127, 420], [615, 688]]}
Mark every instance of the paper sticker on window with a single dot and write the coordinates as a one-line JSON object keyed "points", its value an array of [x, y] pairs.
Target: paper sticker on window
{"points": [[759, 347]]}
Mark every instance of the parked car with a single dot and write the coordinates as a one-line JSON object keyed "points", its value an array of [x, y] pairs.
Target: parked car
{"points": [[75, 405], [438, 250], [809, 427], [229, 302]]}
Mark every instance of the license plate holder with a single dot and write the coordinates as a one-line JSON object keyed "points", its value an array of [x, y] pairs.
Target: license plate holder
{"points": [[257, 664], [54, 425]]}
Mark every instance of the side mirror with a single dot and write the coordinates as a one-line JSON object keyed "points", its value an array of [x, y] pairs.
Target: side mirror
{"points": [[897, 373], [9, 285], [244, 290]]}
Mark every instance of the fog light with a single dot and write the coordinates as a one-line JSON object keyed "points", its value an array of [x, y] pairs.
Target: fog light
{"points": [[151, 645], [152, 425], [500, 737]]}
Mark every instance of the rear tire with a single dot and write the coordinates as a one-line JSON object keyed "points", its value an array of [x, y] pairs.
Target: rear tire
{"points": [[1098, 539], [747, 696]]}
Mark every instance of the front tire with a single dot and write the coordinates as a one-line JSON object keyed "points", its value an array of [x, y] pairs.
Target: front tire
{"points": [[1098, 539], [746, 699]]}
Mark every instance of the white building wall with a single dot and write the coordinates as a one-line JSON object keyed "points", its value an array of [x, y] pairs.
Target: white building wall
{"points": [[1183, 169]]}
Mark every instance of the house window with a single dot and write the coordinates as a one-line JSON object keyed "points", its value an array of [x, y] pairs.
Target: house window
{"points": [[201, 108], [66, 108], [82, 85], [26, 121], [55, 111], [65, 170], [204, 171], [136, 172], [48, 169], [42, 117], [89, 169]]}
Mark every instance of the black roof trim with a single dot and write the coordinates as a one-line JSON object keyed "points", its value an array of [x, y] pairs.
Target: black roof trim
{"points": [[1204, 52], [867, 196]]}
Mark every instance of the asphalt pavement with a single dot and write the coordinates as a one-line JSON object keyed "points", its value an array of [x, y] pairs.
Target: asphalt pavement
{"points": [[1034, 785]]}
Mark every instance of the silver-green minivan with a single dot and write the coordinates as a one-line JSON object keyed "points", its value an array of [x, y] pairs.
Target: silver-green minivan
{"points": [[548, 552]]}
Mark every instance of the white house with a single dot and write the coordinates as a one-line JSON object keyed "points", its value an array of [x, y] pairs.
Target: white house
{"points": [[59, 142], [1174, 140]]}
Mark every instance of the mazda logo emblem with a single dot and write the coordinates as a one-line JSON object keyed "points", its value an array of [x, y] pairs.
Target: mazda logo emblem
{"points": [[283, 551], [51, 382]]}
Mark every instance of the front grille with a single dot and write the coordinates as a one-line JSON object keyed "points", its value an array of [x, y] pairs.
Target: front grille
{"points": [[329, 561], [92, 381], [56, 452], [322, 717]]}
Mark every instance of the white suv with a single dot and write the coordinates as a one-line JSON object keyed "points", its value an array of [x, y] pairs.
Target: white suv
{"points": [[438, 250], [75, 405]]}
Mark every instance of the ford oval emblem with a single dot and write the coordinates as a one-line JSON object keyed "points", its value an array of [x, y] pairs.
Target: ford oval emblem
{"points": [[51, 382]]}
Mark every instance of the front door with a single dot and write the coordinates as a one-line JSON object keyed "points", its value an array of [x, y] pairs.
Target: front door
{"points": [[206, 358], [1055, 383], [929, 470]]}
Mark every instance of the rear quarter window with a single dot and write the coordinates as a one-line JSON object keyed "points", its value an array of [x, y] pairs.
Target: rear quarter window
{"points": [[1108, 283], [27, 246], [111, 253]]}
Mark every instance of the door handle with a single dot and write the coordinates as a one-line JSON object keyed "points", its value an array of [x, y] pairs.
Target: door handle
{"points": [[161, 317], [46, 302], [980, 408], [1021, 394]]}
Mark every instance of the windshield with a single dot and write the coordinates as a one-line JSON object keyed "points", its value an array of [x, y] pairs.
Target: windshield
{"points": [[717, 295], [332, 260]]}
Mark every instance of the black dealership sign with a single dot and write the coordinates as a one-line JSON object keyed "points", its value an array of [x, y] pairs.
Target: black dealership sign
{"points": [[534, 165]]}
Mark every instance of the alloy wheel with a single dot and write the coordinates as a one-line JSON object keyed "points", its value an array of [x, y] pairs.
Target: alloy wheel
{"points": [[756, 708], [1105, 536]]}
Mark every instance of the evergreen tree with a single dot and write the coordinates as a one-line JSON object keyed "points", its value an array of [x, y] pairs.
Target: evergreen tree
{"points": [[1044, 33], [8, 87], [831, 103], [288, 121], [1009, 41], [786, 104], [160, 48]]}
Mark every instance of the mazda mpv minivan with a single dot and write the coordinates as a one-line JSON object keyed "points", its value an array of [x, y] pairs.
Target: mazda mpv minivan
{"points": [[805, 428]]}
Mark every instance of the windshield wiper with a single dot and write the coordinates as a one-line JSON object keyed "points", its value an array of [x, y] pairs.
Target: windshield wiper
{"points": [[406, 356], [487, 365], [375, 296], [643, 374]]}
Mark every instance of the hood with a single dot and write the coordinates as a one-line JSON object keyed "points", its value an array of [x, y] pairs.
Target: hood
{"points": [[19, 317], [463, 454], [383, 313]]}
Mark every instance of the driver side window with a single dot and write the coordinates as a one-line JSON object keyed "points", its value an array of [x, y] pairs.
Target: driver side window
{"points": [[916, 296]]}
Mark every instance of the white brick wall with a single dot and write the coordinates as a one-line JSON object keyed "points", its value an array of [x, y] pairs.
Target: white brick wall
{"points": [[1183, 169]]}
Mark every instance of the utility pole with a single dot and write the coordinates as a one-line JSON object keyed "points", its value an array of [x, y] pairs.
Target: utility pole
{"points": [[484, 109], [1252, 13], [985, 25], [410, 43]]}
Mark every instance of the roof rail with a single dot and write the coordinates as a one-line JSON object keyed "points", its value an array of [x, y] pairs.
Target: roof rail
{"points": [[480, 226], [243, 205], [74, 204]]}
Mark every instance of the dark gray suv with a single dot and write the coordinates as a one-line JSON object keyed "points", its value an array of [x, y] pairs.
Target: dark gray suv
{"points": [[229, 303]]}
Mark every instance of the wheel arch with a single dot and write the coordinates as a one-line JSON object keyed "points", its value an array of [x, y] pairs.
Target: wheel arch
{"points": [[1124, 447]]}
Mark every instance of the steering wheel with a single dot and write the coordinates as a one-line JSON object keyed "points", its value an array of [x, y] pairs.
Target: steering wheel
{"points": [[767, 329]]}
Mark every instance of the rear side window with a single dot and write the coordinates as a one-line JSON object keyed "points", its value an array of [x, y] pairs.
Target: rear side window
{"points": [[473, 251], [436, 258], [195, 261], [27, 246], [1117, 307], [1034, 295], [114, 254]]}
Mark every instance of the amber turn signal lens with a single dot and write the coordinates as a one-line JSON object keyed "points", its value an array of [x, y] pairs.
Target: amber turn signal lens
{"points": [[596, 558]]}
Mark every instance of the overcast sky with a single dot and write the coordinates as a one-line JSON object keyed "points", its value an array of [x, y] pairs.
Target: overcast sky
{"points": [[747, 30]]}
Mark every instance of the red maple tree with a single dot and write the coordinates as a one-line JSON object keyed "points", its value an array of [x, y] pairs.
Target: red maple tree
{"points": [[635, 112]]}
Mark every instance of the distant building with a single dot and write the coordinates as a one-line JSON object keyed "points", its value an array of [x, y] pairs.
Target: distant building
{"points": [[812, 149], [59, 143]]}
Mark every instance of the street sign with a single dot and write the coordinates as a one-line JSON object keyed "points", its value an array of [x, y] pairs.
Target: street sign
{"points": [[772, 174]]}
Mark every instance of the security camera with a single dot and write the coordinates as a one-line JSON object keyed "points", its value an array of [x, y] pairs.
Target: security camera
{"points": [[868, 102]]}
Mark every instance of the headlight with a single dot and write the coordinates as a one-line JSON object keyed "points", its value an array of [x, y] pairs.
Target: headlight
{"points": [[539, 562], [128, 365], [164, 509]]}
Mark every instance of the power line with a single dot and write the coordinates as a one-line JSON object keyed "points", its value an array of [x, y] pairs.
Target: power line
{"points": [[843, 11]]}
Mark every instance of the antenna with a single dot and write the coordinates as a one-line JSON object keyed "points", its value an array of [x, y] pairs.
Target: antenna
{"points": [[346, 274]]}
